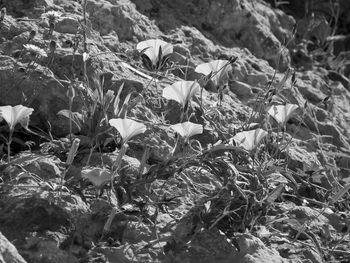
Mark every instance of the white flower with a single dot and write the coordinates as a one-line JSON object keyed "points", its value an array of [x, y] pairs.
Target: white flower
{"points": [[187, 129], [127, 128], [181, 91], [219, 68], [281, 113], [35, 50], [17, 114], [249, 140], [97, 176], [152, 47]]}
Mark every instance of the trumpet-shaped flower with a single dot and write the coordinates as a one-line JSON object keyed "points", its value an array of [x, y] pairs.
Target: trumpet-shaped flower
{"points": [[155, 49], [97, 176], [249, 140], [219, 68], [281, 113], [181, 91], [14, 115], [187, 129], [127, 128]]}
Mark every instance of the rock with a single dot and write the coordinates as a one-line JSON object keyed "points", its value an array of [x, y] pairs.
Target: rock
{"points": [[241, 89], [46, 249], [340, 44], [8, 252], [45, 167], [335, 76], [312, 217], [122, 18], [333, 135], [234, 23], [23, 210], [323, 8], [300, 158], [20, 8], [253, 250], [39, 222], [67, 25], [136, 231], [208, 245], [39, 90]]}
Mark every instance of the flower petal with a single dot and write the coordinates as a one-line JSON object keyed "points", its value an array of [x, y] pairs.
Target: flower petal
{"points": [[181, 91], [187, 129], [151, 48], [127, 128], [17, 114], [249, 140], [281, 113], [219, 67], [97, 176]]}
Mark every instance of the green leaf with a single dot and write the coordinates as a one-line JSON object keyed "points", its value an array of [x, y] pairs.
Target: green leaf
{"points": [[75, 117], [116, 106]]}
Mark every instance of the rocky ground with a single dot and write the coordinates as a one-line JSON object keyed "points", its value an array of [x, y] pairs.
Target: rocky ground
{"points": [[212, 201]]}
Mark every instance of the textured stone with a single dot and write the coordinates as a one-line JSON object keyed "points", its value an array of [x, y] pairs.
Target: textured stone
{"points": [[253, 250], [302, 159], [120, 17], [245, 23], [8, 252]]}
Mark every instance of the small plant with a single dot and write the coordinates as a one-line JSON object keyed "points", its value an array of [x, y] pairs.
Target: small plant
{"points": [[14, 115], [93, 119], [52, 17], [154, 53], [182, 92], [35, 52], [249, 140]]}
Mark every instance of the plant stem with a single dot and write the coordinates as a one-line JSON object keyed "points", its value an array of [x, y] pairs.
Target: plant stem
{"points": [[70, 120], [9, 146]]}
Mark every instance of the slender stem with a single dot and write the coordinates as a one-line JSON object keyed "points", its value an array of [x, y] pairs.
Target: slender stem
{"points": [[9, 146], [91, 152], [70, 119]]}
